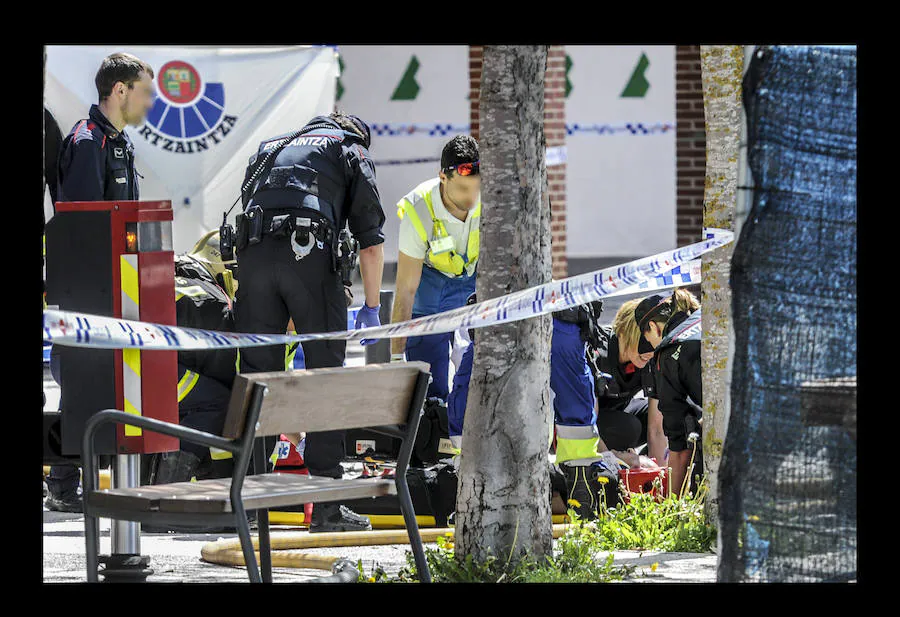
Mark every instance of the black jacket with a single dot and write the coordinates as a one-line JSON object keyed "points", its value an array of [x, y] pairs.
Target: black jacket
{"points": [[328, 170], [201, 303], [627, 380], [676, 366], [96, 162]]}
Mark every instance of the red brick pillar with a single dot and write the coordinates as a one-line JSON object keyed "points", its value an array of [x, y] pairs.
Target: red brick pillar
{"points": [[690, 144], [554, 133]]}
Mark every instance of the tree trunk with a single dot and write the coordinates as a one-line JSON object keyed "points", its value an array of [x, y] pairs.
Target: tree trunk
{"points": [[503, 506], [722, 67]]}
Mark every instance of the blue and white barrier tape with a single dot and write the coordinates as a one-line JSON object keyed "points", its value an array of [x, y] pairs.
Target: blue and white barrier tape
{"points": [[81, 330], [630, 128]]}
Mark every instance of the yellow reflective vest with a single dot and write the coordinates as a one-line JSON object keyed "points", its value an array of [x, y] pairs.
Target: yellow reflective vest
{"points": [[422, 208]]}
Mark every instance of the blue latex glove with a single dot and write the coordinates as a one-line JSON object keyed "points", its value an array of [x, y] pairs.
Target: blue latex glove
{"points": [[367, 318]]}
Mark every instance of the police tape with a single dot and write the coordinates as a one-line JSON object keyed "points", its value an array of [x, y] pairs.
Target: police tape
{"points": [[83, 330]]}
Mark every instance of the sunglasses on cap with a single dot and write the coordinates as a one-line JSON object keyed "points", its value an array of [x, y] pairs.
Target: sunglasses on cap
{"points": [[464, 169]]}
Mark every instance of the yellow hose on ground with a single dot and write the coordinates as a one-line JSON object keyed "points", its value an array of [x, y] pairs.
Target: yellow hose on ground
{"points": [[285, 555], [379, 521]]}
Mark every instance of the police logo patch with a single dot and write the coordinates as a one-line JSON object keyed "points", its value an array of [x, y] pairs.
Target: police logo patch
{"points": [[119, 153]]}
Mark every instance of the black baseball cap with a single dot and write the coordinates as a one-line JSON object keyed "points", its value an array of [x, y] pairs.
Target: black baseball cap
{"points": [[646, 308], [644, 345]]}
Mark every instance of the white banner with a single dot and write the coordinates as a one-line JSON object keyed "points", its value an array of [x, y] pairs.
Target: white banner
{"points": [[213, 106]]}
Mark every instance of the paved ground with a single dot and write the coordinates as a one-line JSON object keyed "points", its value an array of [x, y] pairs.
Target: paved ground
{"points": [[176, 557]]}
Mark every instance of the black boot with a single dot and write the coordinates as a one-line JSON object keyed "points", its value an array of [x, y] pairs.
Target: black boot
{"points": [[333, 517], [580, 490]]}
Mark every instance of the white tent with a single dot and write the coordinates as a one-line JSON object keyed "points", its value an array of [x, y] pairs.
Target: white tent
{"points": [[213, 106]]}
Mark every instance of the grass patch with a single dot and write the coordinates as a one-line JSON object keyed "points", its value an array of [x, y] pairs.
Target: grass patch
{"points": [[645, 523]]}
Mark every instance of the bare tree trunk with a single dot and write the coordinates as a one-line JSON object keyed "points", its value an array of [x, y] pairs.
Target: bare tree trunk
{"points": [[503, 507], [722, 67]]}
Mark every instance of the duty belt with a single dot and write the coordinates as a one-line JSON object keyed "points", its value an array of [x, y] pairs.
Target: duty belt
{"points": [[283, 225]]}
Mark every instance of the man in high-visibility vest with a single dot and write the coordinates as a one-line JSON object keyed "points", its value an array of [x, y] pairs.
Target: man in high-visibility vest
{"points": [[439, 246]]}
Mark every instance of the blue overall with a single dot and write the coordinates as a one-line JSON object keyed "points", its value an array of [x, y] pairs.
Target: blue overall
{"points": [[437, 293], [571, 381]]}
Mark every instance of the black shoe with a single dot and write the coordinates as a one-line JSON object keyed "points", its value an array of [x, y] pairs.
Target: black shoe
{"points": [[581, 496], [333, 517], [64, 503]]}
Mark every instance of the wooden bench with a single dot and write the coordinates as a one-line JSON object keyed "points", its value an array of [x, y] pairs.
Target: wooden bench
{"points": [[387, 398]]}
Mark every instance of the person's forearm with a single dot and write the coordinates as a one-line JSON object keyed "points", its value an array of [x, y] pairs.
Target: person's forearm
{"points": [[403, 303], [657, 444], [371, 267]]}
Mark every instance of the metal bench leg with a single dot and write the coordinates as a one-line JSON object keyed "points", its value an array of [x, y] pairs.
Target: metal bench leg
{"points": [[92, 547], [412, 528], [265, 546], [243, 529]]}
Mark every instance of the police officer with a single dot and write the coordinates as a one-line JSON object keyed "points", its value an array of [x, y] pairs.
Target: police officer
{"points": [[672, 326], [439, 247], [96, 163], [301, 189]]}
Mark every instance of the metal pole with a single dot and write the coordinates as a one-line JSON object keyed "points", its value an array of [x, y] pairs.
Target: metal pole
{"points": [[125, 536], [125, 562], [380, 352]]}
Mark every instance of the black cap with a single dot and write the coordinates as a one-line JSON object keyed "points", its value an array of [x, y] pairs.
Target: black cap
{"points": [[647, 306]]}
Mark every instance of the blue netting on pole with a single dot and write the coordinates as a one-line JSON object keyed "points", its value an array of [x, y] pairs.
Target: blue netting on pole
{"points": [[787, 481]]}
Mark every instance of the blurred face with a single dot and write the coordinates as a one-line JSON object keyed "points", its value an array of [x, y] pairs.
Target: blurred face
{"points": [[653, 334], [135, 101], [461, 191]]}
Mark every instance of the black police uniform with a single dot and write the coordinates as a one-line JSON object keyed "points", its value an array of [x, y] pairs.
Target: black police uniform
{"points": [[677, 383], [621, 418], [96, 163], [319, 182]]}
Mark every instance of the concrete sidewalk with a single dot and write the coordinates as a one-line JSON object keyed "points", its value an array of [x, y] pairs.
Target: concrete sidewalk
{"points": [[175, 557]]}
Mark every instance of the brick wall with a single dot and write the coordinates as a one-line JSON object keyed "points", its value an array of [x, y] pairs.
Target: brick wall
{"points": [[554, 133], [690, 144]]}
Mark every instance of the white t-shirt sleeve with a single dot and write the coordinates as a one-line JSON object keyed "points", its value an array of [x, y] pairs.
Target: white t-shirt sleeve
{"points": [[410, 242]]}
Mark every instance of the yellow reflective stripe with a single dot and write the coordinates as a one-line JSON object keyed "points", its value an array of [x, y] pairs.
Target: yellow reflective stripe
{"points": [[405, 207], [190, 290], [290, 350], [218, 455], [187, 383], [132, 359], [574, 449], [129, 280], [132, 431]]}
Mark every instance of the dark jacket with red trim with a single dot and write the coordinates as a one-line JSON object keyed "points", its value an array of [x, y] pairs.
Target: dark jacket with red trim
{"points": [[96, 162], [328, 170]]}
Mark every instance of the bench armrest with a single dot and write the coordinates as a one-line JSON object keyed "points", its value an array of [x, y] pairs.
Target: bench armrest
{"points": [[158, 426]]}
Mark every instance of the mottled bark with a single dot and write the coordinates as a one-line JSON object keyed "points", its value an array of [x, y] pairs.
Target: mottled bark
{"points": [[722, 67], [502, 504]]}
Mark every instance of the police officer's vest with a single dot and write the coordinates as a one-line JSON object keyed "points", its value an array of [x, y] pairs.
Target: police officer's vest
{"points": [[447, 261]]}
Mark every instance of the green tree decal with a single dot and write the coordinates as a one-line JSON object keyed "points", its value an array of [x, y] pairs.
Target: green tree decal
{"points": [[408, 89], [638, 85], [569, 65]]}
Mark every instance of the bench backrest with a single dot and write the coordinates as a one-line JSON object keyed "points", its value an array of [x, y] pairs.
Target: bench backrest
{"points": [[325, 399]]}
